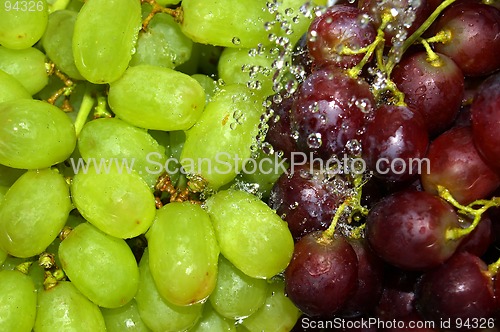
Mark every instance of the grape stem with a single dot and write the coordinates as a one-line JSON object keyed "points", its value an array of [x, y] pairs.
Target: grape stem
{"points": [[84, 111], [470, 209], [156, 8], [493, 268], [354, 204], [432, 58], [355, 71], [24, 267], [417, 34]]}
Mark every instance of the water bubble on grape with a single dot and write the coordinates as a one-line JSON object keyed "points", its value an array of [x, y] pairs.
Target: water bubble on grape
{"points": [[314, 141], [364, 20], [272, 6], [268, 26], [363, 104], [236, 41], [354, 147]]}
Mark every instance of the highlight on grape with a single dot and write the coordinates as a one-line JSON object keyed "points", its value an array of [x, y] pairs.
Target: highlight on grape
{"points": [[226, 163]]}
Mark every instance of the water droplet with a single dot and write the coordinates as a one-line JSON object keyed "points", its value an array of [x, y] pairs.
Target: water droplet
{"points": [[314, 141], [354, 147], [363, 104], [236, 41]]}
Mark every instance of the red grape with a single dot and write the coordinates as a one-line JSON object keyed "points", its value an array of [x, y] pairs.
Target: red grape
{"points": [[459, 289], [408, 230], [456, 165], [322, 274], [434, 90], [306, 199], [475, 37], [394, 143], [338, 27], [485, 113], [329, 110]]}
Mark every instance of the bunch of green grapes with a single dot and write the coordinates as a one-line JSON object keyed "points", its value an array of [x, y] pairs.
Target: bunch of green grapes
{"points": [[126, 127]]}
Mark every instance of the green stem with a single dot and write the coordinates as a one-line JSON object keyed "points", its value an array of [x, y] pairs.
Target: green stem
{"points": [[354, 202], [456, 232], [355, 71], [493, 268], [85, 109], [432, 56], [418, 33], [328, 234]]}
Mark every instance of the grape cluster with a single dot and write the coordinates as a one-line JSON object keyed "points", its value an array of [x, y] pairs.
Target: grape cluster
{"points": [[392, 207], [215, 165]]}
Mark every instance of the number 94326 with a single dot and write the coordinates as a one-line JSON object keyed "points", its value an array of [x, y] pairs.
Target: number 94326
{"points": [[24, 6]]}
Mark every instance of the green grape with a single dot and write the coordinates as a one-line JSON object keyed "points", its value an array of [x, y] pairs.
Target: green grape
{"points": [[208, 85], [251, 67], [296, 16], [64, 308], [156, 312], [75, 5], [250, 234], [157, 98], [177, 139], [34, 134], [3, 256], [27, 66], [190, 67], [229, 23], [12, 89], [237, 295], [17, 301], [114, 139], [101, 56], [211, 321], [58, 42], [116, 201], [167, 2], [263, 178], [100, 266], [124, 319], [162, 138], [277, 304], [221, 140], [33, 212], [183, 253], [9, 175], [163, 44], [11, 262], [3, 191], [37, 274], [22, 23]]}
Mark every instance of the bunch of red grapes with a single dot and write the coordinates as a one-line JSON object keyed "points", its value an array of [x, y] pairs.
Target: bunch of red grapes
{"points": [[411, 91]]}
